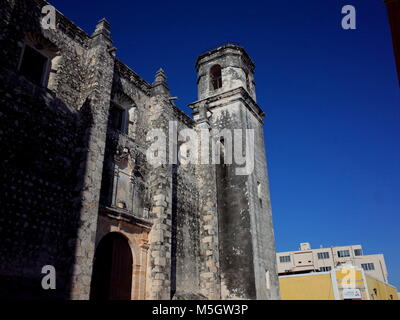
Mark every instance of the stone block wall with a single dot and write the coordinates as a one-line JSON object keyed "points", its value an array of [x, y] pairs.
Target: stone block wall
{"points": [[196, 231], [40, 141], [43, 147]]}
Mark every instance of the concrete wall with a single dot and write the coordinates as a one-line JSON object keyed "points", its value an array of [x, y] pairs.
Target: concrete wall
{"points": [[383, 291], [306, 287], [330, 285]]}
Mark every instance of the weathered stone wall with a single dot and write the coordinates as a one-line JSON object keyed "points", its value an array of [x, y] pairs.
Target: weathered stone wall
{"points": [[245, 231], [173, 268], [97, 90], [234, 220], [187, 231], [39, 137], [206, 174], [56, 132], [247, 265], [69, 178], [235, 64], [42, 133], [185, 219], [260, 208]]}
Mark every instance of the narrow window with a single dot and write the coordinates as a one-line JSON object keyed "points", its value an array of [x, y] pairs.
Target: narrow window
{"points": [[34, 65], [268, 280], [216, 77], [117, 117], [222, 151], [259, 191], [248, 82], [183, 153], [357, 252]]}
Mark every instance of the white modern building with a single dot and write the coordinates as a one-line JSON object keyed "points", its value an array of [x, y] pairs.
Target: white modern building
{"points": [[307, 260]]}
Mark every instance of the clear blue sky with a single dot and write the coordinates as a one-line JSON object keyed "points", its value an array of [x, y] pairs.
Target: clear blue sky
{"points": [[331, 96]]}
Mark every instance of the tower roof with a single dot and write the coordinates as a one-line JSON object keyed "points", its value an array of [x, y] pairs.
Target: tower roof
{"points": [[226, 47]]}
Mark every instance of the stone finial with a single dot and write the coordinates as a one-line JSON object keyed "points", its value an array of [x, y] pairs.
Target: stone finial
{"points": [[102, 28], [160, 85], [160, 76]]}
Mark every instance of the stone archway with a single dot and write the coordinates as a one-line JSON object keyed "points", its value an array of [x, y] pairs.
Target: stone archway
{"points": [[112, 269]]}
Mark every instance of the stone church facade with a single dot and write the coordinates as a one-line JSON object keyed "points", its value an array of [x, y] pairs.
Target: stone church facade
{"points": [[78, 193]]}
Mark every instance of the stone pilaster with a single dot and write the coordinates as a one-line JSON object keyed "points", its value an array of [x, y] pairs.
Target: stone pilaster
{"points": [[160, 184], [209, 251], [160, 241], [96, 94]]}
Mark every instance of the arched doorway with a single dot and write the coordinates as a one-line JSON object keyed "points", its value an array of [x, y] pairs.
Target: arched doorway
{"points": [[112, 269]]}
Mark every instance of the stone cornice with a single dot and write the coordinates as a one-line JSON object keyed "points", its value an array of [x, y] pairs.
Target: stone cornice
{"points": [[243, 96], [209, 54], [124, 215]]}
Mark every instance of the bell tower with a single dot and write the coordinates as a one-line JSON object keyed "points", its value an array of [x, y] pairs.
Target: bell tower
{"points": [[245, 237], [223, 69]]}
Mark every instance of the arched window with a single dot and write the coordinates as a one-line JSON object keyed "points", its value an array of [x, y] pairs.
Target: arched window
{"points": [[215, 77]]}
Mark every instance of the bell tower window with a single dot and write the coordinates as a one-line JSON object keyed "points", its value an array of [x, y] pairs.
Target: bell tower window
{"points": [[215, 77]]}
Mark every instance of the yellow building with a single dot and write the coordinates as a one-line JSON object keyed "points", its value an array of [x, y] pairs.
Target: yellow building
{"points": [[344, 282]]}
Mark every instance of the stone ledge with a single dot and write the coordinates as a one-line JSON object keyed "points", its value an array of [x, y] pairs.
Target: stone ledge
{"points": [[123, 214]]}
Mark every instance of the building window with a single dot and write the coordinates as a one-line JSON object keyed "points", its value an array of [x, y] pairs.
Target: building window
{"points": [[259, 191], [284, 259], [216, 77], [368, 266], [248, 82], [357, 252], [267, 280], [34, 65], [325, 269], [184, 153], [343, 253], [117, 117], [323, 255]]}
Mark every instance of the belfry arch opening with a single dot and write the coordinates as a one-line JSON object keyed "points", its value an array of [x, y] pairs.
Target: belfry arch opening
{"points": [[215, 77], [112, 269]]}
